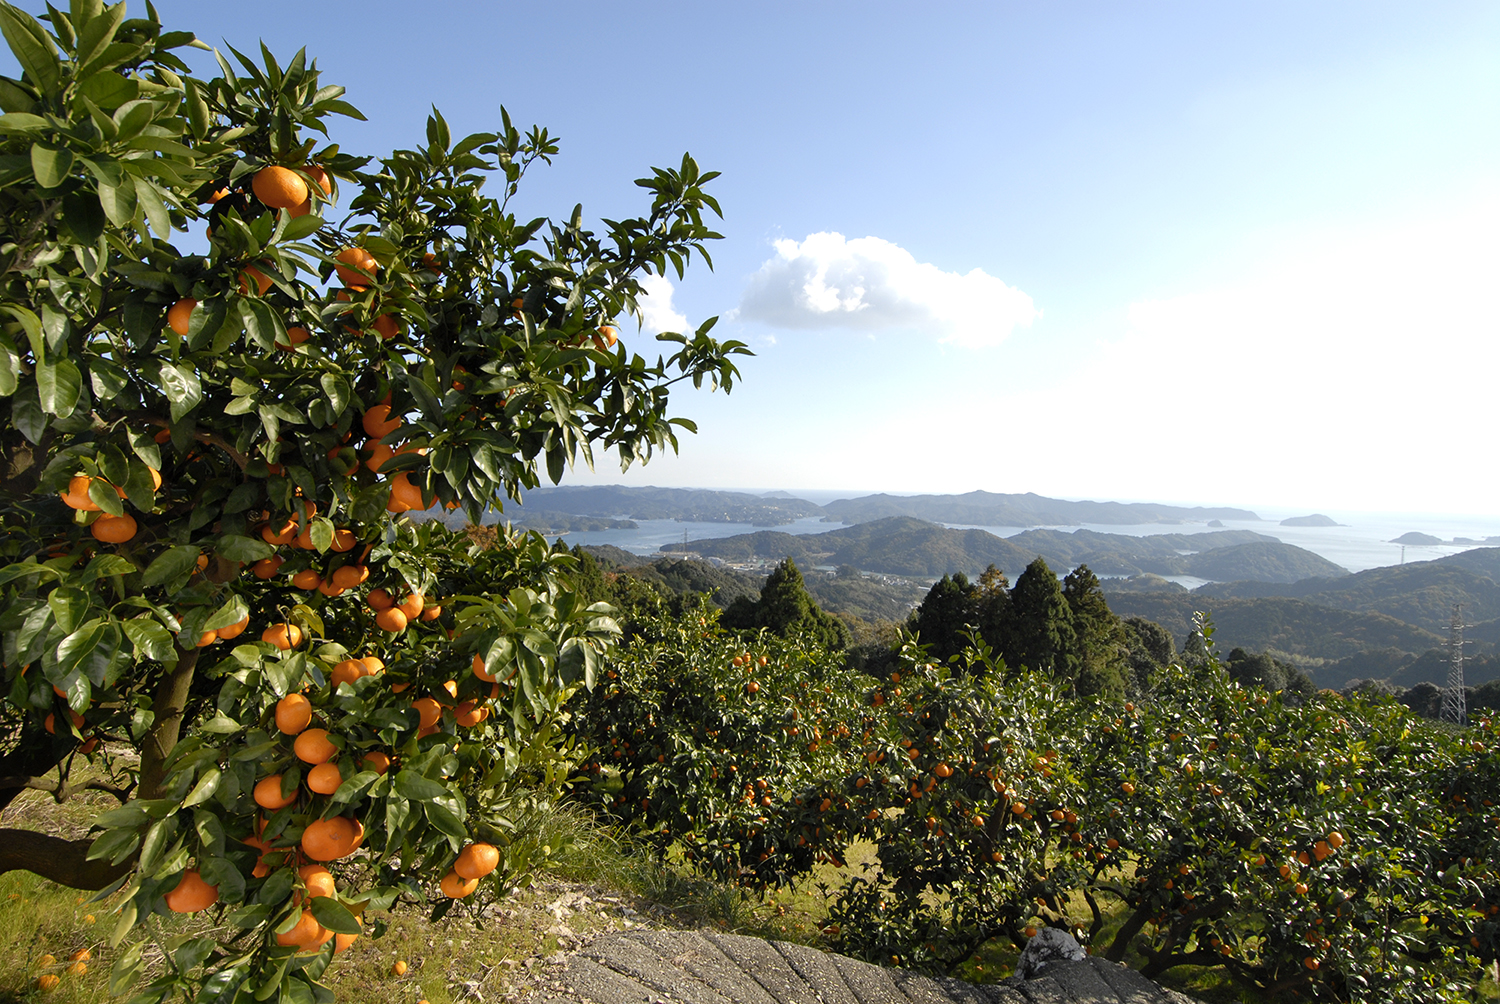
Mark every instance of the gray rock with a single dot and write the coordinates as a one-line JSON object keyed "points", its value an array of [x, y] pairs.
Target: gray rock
{"points": [[1050, 944]]}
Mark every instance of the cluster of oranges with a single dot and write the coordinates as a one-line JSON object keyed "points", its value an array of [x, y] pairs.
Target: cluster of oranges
{"points": [[106, 528]]}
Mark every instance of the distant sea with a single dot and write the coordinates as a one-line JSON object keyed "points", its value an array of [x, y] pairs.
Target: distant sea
{"points": [[1363, 542]]}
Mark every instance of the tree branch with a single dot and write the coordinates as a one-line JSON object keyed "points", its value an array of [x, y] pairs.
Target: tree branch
{"points": [[208, 438], [167, 708], [63, 861], [61, 790]]}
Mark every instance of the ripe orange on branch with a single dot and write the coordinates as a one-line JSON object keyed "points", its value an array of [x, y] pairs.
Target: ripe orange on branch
{"points": [[350, 259], [113, 529], [279, 187], [180, 314], [192, 894]]}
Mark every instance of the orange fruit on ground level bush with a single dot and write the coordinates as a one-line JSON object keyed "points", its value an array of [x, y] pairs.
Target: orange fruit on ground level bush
{"points": [[250, 274], [379, 599], [331, 839], [455, 886], [412, 605], [295, 335], [319, 880], [233, 631], [283, 636], [307, 579], [312, 746], [192, 894], [352, 258], [268, 793], [480, 670], [386, 326], [349, 576], [376, 761], [324, 778], [279, 187], [319, 177], [428, 710], [398, 968], [113, 529], [293, 714], [307, 933], [391, 620], [77, 495], [346, 672], [469, 714], [377, 421], [344, 540], [180, 313], [405, 496], [477, 860], [266, 568]]}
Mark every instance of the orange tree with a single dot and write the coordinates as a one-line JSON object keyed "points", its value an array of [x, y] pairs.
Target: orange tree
{"points": [[308, 704], [1311, 850], [734, 747]]}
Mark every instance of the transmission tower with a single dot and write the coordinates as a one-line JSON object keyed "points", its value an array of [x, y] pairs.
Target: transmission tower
{"points": [[1454, 709]]}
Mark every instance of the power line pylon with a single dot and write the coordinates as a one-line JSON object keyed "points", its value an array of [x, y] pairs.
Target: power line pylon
{"points": [[1454, 705]]}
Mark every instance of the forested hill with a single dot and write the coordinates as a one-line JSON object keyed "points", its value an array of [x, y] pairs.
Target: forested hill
{"points": [[1422, 593], [981, 508], [1297, 628], [693, 504], [901, 545]]}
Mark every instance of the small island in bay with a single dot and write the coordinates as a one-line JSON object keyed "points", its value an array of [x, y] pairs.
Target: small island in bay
{"points": [[1316, 519], [1417, 538]]}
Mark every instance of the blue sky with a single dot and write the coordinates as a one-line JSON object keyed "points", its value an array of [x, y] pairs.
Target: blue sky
{"points": [[1238, 253]]}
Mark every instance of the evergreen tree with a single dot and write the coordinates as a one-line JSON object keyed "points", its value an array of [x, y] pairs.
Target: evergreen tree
{"points": [[1099, 637], [1040, 634], [785, 607], [950, 607]]}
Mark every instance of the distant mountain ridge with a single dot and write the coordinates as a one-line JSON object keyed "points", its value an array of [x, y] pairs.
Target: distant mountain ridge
{"points": [[692, 504], [904, 545], [980, 508]]}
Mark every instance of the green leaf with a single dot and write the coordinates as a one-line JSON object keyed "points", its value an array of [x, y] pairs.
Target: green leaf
{"points": [[334, 915], [172, 563], [84, 216], [113, 844], [109, 90], [127, 968], [146, 447], [105, 497], [59, 385], [236, 548], [155, 843], [154, 206], [207, 785], [10, 367], [412, 785], [180, 384], [302, 226], [232, 612], [69, 605], [150, 638], [442, 817], [50, 164], [321, 533], [118, 200], [336, 386], [79, 645], [95, 36], [32, 46]]}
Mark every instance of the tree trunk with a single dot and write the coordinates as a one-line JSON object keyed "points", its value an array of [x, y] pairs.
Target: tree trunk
{"points": [[171, 698], [62, 861]]}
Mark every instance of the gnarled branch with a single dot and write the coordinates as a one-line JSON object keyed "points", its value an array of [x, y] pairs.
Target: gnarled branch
{"points": [[61, 789], [63, 861]]}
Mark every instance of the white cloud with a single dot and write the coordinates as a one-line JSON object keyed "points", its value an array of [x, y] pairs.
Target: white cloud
{"points": [[869, 284], [657, 314]]}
